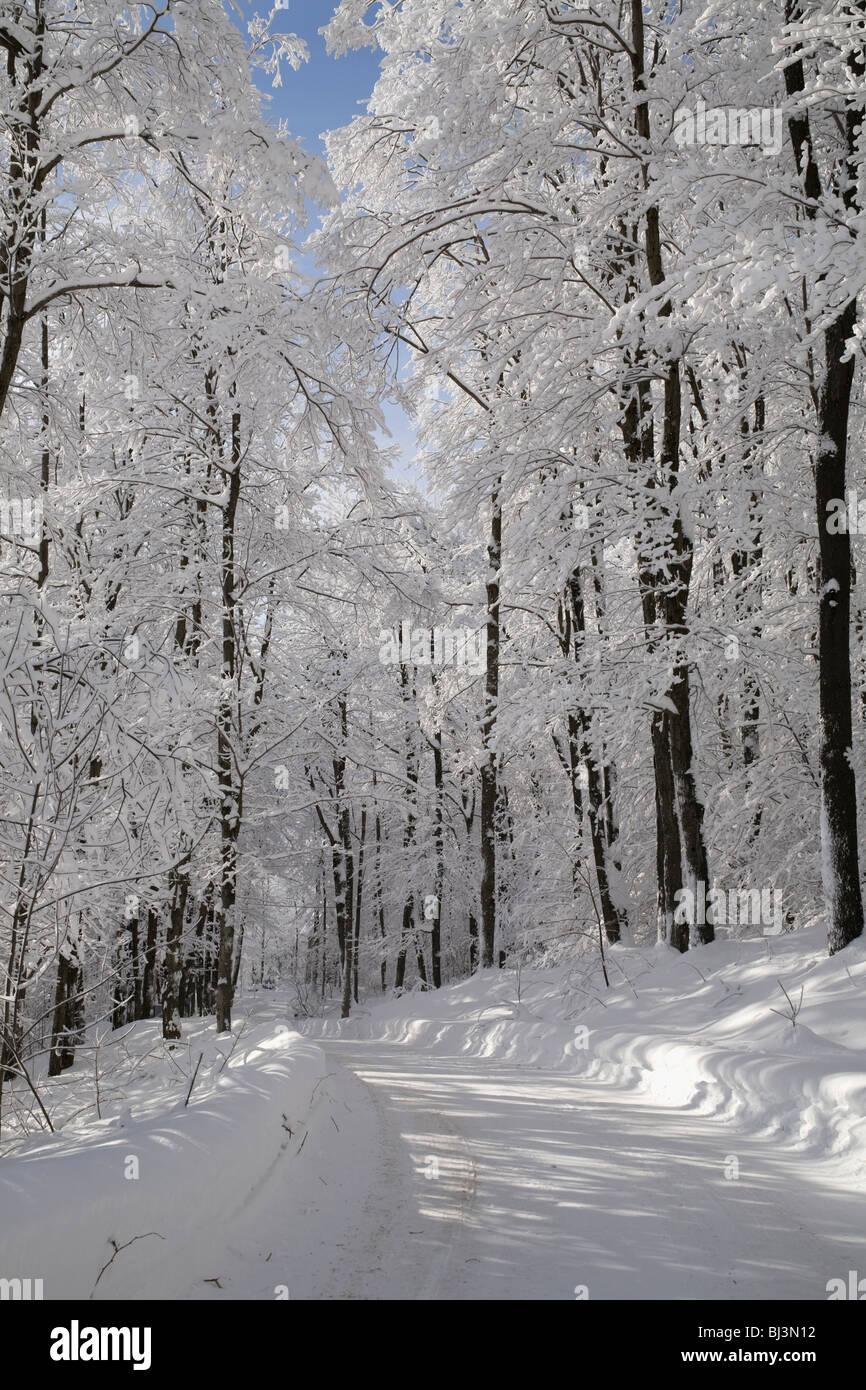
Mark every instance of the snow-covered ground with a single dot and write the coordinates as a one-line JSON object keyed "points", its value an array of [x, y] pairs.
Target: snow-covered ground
{"points": [[514, 1137], [708, 1032]]}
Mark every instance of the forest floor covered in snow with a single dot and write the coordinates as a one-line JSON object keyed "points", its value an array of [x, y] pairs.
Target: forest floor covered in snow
{"points": [[709, 1032], [519, 1136]]}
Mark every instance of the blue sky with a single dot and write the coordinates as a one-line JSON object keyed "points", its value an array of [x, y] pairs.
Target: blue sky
{"points": [[323, 94]]}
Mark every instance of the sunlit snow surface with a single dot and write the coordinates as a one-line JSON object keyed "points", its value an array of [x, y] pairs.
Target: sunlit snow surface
{"points": [[512, 1137]]}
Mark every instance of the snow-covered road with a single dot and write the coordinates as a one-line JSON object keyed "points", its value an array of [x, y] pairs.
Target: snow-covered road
{"points": [[470, 1179], [674, 1139]]}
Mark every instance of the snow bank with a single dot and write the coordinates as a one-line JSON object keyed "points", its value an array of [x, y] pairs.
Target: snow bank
{"points": [[695, 1033], [65, 1203]]}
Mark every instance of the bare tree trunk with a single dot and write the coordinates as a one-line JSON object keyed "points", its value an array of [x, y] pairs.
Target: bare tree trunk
{"points": [[439, 882], [608, 808], [343, 859], [229, 792], [638, 436], [171, 1028], [68, 1019], [25, 183], [324, 946], [669, 869], [666, 598], [467, 805], [438, 841], [407, 931], [838, 785], [17, 948], [746, 565], [359, 885], [239, 954], [379, 893], [488, 732], [473, 943], [311, 963], [840, 853], [148, 978], [581, 751], [347, 883]]}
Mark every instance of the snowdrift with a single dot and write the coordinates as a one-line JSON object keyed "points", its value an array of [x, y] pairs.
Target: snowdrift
{"points": [[708, 1032], [154, 1188]]}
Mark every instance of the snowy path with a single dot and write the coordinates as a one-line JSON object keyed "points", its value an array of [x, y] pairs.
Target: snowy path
{"points": [[546, 1181]]}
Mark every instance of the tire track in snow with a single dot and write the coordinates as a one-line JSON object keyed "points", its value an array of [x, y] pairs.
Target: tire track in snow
{"points": [[547, 1182], [404, 1234]]}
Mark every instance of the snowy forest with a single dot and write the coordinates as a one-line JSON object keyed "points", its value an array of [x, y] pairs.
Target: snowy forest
{"points": [[290, 711]]}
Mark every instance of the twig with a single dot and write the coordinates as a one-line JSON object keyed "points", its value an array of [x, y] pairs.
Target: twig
{"points": [[795, 1008], [117, 1250], [25, 1073], [319, 1082], [192, 1083], [96, 1082], [234, 1045]]}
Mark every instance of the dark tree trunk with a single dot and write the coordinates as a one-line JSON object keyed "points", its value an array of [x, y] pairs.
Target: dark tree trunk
{"points": [[669, 870], [379, 895], [473, 943], [324, 946], [679, 812], [148, 977], [438, 843], [439, 883], [746, 565], [68, 1018], [239, 955], [347, 883], [488, 731], [840, 853], [407, 929], [171, 1028], [359, 887], [229, 792], [581, 752], [838, 785], [25, 182], [135, 957]]}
